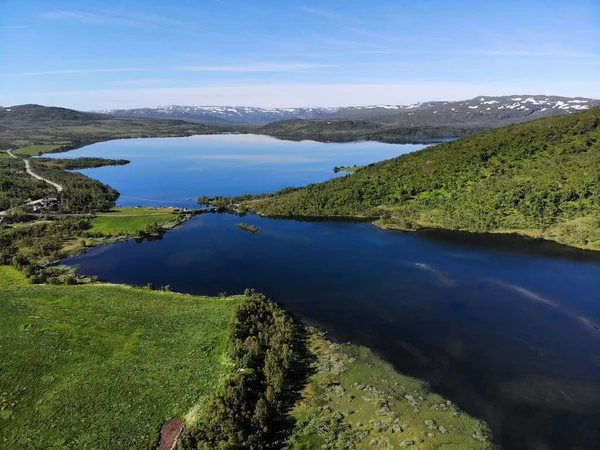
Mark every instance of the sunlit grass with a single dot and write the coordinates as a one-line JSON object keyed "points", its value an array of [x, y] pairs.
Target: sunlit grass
{"points": [[35, 150], [103, 366], [130, 220]]}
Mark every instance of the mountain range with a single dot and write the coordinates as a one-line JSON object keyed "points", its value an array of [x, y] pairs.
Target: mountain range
{"points": [[484, 111]]}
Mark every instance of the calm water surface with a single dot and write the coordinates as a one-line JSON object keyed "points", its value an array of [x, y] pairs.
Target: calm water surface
{"points": [[507, 328], [175, 171]]}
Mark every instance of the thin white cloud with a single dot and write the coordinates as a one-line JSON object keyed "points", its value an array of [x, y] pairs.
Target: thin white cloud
{"points": [[482, 52], [114, 17], [70, 72], [256, 67], [237, 68], [323, 13], [13, 27]]}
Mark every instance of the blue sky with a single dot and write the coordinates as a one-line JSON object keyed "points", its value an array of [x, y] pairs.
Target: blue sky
{"points": [[134, 53]]}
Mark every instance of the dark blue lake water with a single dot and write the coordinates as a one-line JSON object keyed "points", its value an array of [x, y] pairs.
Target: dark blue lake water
{"points": [[508, 328]]}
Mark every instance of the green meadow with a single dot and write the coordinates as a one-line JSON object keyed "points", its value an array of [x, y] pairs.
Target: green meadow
{"points": [[125, 220], [34, 150], [103, 366]]}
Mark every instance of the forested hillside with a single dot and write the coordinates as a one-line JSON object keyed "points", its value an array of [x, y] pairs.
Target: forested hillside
{"points": [[540, 178]]}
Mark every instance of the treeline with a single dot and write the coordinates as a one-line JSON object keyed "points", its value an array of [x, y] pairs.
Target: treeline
{"points": [[81, 163], [17, 187], [30, 247], [268, 350], [540, 177], [80, 194]]}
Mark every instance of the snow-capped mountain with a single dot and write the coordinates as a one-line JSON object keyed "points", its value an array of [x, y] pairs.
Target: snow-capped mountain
{"points": [[223, 114], [487, 111], [482, 110]]}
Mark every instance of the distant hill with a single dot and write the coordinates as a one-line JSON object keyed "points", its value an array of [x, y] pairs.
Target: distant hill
{"points": [[221, 115], [435, 117], [540, 178], [34, 124], [427, 120]]}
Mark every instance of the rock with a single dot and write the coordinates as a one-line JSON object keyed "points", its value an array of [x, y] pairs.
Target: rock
{"points": [[396, 428], [338, 416], [430, 435], [442, 429], [407, 443], [431, 425]]}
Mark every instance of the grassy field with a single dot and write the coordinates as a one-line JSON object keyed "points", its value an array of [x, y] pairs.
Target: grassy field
{"points": [[35, 150], [354, 400], [123, 220], [103, 366]]}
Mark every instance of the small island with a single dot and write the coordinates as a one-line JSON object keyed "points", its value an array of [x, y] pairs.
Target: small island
{"points": [[248, 227], [347, 168]]}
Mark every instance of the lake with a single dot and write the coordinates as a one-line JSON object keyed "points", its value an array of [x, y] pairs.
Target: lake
{"points": [[175, 171], [508, 328]]}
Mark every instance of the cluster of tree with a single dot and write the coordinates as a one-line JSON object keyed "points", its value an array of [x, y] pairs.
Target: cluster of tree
{"points": [[29, 247], [81, 163], [251, 411], [80, 194], [521, 177], [17, 187], [153, 229]]}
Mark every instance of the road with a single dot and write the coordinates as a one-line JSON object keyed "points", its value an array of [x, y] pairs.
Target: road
{"points": [[57, 186]]}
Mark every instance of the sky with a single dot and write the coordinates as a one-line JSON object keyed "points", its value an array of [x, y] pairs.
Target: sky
{"points": [[273, 53]]}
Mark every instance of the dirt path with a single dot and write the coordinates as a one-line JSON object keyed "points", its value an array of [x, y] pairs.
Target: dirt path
{"points": [[57, 186], [169, 434]]}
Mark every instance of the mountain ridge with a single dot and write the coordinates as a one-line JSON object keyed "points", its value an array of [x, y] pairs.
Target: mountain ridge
{"points": [[500, 108]]}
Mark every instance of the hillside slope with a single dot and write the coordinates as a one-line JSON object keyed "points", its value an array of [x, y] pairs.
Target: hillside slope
{"points": [[540, 178], [34, 124], [427, 120]]}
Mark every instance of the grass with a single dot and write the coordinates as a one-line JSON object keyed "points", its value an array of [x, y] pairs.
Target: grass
{"points": [[349, 168], [354, 400], [35, 150], [125, 220], [103, 366]]}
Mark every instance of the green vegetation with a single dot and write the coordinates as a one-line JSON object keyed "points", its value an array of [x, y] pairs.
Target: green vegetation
{"points": [[103, 366], [540, 178], [81, 163], [16, 186], [267, 349], [31, 246], [248, 227], [127, 221], [354, 400], [354, 168], [346, 130], [80, 194], [35, 150]]}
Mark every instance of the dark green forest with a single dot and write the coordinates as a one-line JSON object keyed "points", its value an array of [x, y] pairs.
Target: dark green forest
{"points": [[540, 178], [251, 411]]}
